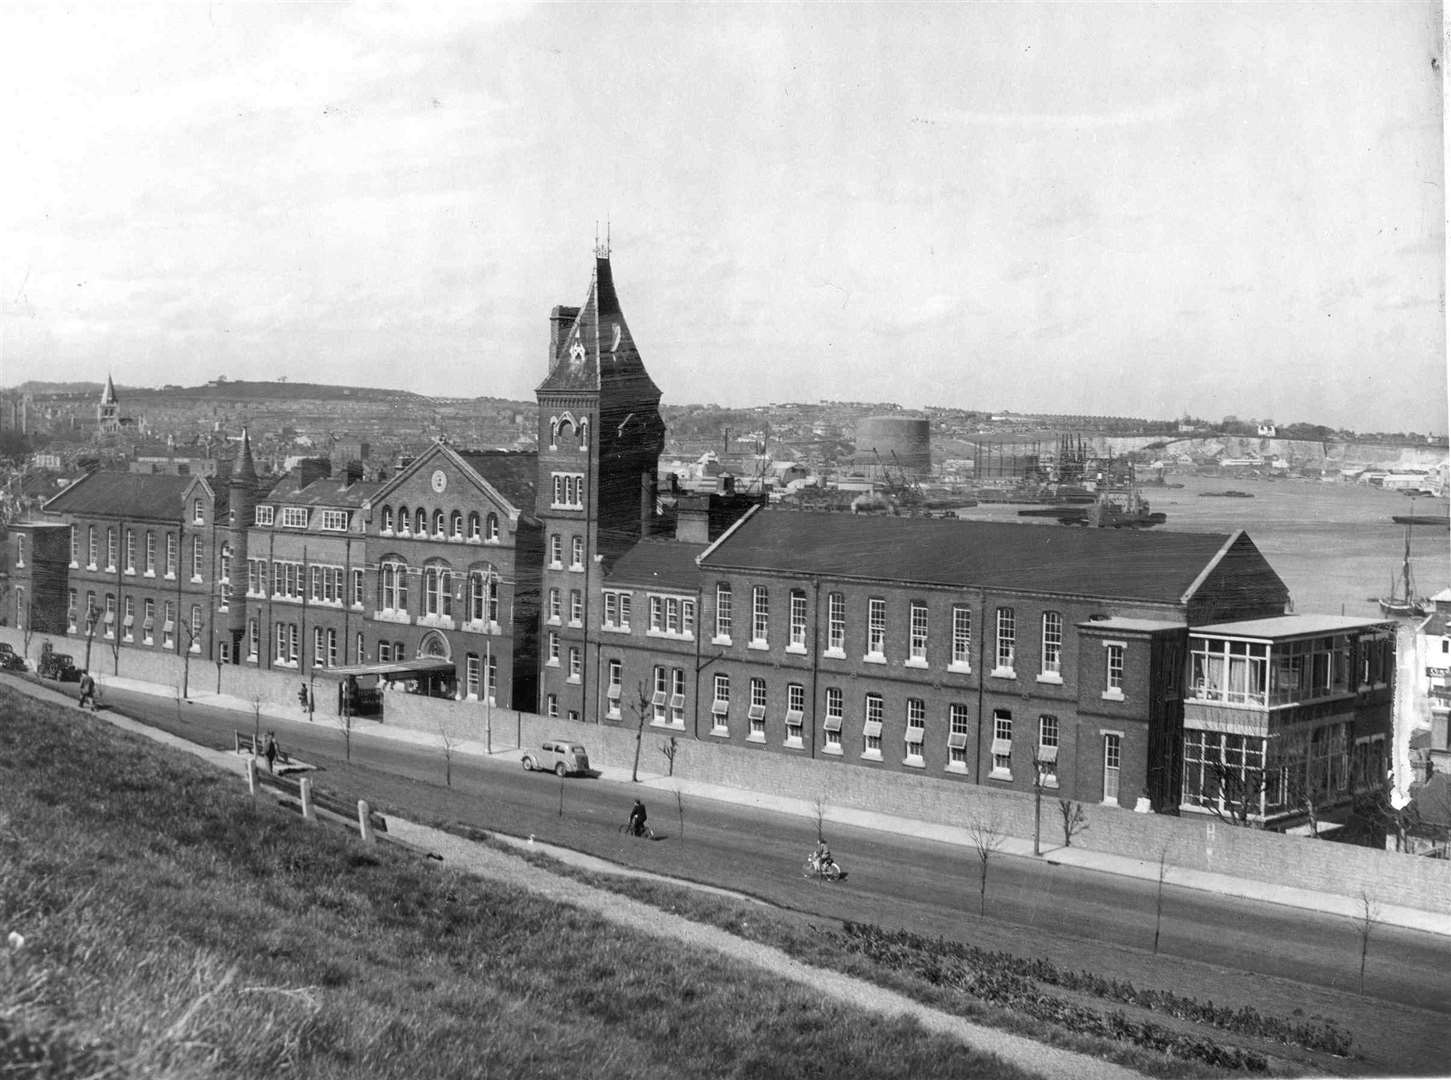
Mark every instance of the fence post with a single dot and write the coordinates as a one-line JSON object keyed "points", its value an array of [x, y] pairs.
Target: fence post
{"points": [[365, 827], [305, 789], [252, 777]]}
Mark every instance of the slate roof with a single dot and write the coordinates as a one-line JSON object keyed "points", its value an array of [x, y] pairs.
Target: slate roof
{"points": [[598, 352], [513, 473], [115, 494], [328, 491], [658, 563], [1159, 567]]}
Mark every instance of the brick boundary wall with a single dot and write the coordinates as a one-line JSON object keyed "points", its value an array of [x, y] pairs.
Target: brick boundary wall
{"points": [[1191, 841]]}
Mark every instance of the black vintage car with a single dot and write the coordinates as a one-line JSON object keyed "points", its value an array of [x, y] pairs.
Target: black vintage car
{"points": [[59, 666], [10, 660]]}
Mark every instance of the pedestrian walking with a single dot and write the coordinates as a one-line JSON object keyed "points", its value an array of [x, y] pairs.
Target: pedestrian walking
{"points": [[88, 690], [271, 751], [302, 696]]}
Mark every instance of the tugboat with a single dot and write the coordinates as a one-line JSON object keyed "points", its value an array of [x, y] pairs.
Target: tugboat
{"points": [[1402, 600]]}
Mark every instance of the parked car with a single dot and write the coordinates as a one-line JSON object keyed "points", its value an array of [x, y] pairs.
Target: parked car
{"points": [[10, 660], [559, 756], [59, 666]]}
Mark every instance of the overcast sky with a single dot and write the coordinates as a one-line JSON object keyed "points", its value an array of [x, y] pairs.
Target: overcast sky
{"points": [[1082, 208]]}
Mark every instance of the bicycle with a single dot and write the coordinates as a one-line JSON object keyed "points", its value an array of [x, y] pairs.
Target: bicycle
{"points": [[643, 830]]}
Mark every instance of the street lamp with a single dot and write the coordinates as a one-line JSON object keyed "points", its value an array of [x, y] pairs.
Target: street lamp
{"points": [[91, 614]]}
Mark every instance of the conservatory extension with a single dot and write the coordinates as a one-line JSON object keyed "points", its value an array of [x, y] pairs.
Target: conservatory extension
{"points": [[1286, 718]]}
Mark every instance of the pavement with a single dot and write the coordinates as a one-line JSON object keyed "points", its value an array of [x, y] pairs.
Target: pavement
{"points": [[1102, 862]]}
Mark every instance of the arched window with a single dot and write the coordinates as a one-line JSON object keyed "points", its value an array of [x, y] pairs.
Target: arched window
{"points": [[387, 519], [438, 523], [197, 560], [420, 522], [491, 529], [553, 432], [437, 590], [474, 533], [393, 585], [403, 520], [456, 526], [576, 553], [584, 434], [566, 431]]}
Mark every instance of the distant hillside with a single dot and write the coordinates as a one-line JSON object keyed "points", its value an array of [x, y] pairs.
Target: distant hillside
{"points": [[243, 390]]}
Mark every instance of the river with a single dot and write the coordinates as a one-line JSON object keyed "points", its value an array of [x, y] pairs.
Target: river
{"points": [[1333, 543]]}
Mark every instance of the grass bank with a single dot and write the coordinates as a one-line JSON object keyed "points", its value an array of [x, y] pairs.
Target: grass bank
{"points": [[172, 928]]}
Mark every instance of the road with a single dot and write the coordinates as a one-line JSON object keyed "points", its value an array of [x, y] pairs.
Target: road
{"points": [[1074, 916]]}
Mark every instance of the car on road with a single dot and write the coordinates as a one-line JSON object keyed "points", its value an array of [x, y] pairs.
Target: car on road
{"points": [[59, 666], [10, 660], [559, 756]]}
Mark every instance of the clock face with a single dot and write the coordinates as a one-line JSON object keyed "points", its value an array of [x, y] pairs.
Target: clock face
{"points": [[440, 481]]}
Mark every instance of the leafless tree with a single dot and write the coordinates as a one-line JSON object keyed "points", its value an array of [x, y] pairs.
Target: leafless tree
{"points": [[1159, 898], [820, 812], [1365, 924], [448, 743], [1075, 820], [670, 749], [641, 705], [987, 837], [680, 809]]}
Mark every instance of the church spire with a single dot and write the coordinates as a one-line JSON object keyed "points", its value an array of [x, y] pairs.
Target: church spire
{"points": [[243, 467]]}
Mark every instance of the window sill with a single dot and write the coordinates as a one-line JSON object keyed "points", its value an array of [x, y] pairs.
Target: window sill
{"points": [[871, 755], [756, 737], [718, 640], [793, 744], [575, 624], [608, 629], [916, 662], [959, 767], [612, 714], [574, 679], [1000, 774], [835, 751], [1051, 677], [400, 617], [957, 667], [874, 658], [1112, 695], [1050, 783], [1003, 673], [914, 763], [796, 650], [196, 580], [721, 732], [168, 577], [834, 654], [759, 646]]}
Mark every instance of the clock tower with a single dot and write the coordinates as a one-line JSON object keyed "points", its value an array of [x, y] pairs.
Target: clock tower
{"points": [[600, 438]]}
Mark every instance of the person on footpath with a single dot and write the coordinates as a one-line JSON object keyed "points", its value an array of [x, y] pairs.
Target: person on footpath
{"points": [[271, 751], [88, 690]]}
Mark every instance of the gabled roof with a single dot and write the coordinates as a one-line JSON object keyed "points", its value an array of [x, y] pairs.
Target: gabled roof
{"points": [[658, 563], [514, 473], [1158, 567], [598, 353], [328, 491], [508, 476], [150, 496]]}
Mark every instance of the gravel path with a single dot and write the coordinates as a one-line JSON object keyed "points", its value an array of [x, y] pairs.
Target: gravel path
{"points": [[1047, 1061]]}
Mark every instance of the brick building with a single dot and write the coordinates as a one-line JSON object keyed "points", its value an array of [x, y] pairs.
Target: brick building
{"points": [[145, 563]]}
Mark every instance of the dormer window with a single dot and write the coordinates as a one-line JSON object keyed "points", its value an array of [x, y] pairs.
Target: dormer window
{"points": [[198, 512], [294, 517], [262, 515], [335, 520]]}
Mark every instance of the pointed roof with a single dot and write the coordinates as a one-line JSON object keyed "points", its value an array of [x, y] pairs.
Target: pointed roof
{"points": [[108, 395], [243, 467], [598, 353]]}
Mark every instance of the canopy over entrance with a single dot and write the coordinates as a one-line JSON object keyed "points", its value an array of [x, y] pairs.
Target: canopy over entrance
{"points": [[393, 669]]}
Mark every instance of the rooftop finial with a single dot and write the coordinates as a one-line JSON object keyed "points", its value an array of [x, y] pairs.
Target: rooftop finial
{"points": [[602, 251]]}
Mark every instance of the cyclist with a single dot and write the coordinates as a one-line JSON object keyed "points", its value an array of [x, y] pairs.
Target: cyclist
{"points": [[637, 819]]}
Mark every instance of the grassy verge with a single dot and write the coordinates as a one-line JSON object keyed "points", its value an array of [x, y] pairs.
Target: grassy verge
{"points": [[942, 981], [174, 929]]}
